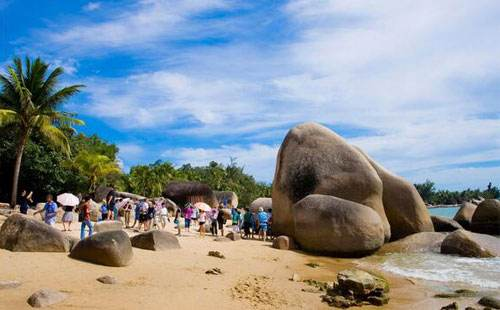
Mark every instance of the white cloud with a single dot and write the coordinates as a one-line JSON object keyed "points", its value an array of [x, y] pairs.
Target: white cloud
{"points": [[92, 6], [256, 158]]}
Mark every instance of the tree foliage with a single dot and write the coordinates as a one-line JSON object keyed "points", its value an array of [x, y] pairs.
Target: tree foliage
{"points": [[436, 197]]}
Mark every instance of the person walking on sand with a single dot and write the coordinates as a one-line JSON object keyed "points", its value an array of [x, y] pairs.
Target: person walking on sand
{"points": [[202, 219], [150, 216], [188, 212], [247, 223], [67, 217], [104, 211], [262, 219], [143, 215], [195, 215], [177, 221], [235, 221], [137, 213], [50, 210], [24, 201], [85, 216], [110, 202]]}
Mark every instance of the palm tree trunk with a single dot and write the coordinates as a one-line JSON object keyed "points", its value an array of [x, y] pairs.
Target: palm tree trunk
{"points": [[17, 167]]}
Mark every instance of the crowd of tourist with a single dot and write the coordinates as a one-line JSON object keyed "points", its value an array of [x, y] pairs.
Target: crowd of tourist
{"points": [[155, 214]]}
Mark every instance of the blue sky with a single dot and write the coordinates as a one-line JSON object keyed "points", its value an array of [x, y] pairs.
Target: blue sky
{"points": [[414, 83]]}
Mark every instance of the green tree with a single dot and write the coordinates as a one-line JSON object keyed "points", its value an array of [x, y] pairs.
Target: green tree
{"points": [[96, 167], [29, 99], [426, 190]]}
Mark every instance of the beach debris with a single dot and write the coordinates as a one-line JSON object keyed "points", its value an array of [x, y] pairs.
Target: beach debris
{"points": [[155, 240], [469, 244], [457, 293], [216, 254], [214, 271], [486, 218], [283, 243], [452, 306], [45, 297], [258, 291], [107, 226], [295, 277], [233, 236], [355, 287], [320, 285], [313, 265], [110, 248], [489, 301], [20, 233], [9, 284], [445, 224], [107, 280]]}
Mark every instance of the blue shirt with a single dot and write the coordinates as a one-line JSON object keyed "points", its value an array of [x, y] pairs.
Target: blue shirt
{"points": [[50, 209], [262, 216]]}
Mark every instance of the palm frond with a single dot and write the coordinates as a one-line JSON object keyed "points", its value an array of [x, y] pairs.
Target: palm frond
{"points": [[55, 135], [8, 117], [61, 96], [64, 119]]}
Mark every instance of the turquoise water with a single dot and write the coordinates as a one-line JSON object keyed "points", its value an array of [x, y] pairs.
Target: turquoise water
{"points": [[446, 212]]}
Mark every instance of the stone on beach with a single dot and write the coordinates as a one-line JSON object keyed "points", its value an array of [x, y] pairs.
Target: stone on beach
{"points": [[45, 297], [155, 240], [327, 224], [464, 214], [20, 233], [403, 206], [107, 226], [107, 280], [486, 218], [314, 160], [9, 284], [233, 236], [489, 301], [283, 243], [442, 223], [416, 243], [111, 248], [469, 244]]}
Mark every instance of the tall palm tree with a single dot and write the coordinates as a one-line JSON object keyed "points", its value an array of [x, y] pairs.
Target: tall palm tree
{"points": [[95, 167], [29, 100]]}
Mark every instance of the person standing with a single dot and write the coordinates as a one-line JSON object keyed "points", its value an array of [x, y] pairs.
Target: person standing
{"points": [[85, 216], [128, 211], [262, 218], [50, 209], [24, 201], [202, 220], [247, 222], [104, 211], [67, 217], [213, 218], [235, 220], [110, 202], [221, 220], [150, 216], [188, 212], [164, 216], [137, 213]]}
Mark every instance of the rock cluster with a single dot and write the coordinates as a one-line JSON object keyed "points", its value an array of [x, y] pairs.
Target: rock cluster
{"points": [[356, 287], [469, 244]]}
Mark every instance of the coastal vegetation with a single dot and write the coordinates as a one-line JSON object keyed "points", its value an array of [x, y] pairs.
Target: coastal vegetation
{"points": [[433, 196]]}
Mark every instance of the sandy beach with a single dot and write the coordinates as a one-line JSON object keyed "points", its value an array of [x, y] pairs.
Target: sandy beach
{"points": [[255, 276]]}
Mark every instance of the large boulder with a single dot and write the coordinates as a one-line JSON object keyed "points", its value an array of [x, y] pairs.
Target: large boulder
{"points": [[107, 226], [404, 208], [229, 197], [416, 243], [155, 240], [314, 160], [486, 218], [464, 214], [469, 244], [110, 248], [20, 233], [283, 243], [335, 226], [262, 202], [442, 223]]}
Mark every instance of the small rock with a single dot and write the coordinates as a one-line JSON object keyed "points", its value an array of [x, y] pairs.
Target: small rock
{"points": [[107, 280], [233, 236], [341, 302], [452, 306], [216, 254], [313, 265], [295, 278], [9, 284], [45, 297], [378, 300], [214, 271], [491, 302], [283, 243]]}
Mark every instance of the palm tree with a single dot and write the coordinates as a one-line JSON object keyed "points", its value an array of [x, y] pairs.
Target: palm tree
{"points": [[29, 100], [95, 167]]}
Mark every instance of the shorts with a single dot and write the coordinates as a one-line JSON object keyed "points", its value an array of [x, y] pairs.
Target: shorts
{"points": [[221, 224], [187, 223], [246, 228], [143, 218], [263, 227]]}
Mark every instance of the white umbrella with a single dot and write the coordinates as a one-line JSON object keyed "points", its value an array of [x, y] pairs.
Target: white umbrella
{"points": [[68, 199], [122, 203], [202, 206]]}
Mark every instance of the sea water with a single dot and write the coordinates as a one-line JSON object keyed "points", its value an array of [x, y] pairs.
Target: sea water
{"points": [[476, 272], [446, 212]]}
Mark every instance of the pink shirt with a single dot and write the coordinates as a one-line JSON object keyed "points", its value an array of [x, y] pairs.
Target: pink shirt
{"points": [[203, 217]]}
